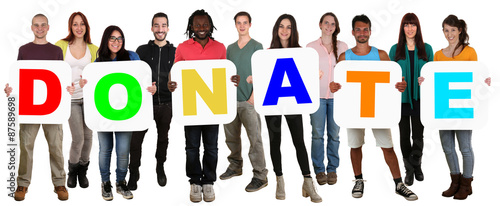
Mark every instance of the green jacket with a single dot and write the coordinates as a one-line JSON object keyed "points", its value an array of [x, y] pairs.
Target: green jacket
{"points": [[64, 46], [406, 70]]}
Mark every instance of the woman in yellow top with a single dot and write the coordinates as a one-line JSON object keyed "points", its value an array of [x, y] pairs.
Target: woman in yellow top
{"points": [[455, 31], [78, 51]]}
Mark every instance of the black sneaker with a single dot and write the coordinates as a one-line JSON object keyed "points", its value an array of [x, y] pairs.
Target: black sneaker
{"points": [[256, 184], [402, 190], [121, 188], [107, 194], [357, 191], [230, 173]]}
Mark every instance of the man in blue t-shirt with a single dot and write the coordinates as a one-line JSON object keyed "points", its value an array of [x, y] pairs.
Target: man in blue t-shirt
{"points": [[361, 30]]}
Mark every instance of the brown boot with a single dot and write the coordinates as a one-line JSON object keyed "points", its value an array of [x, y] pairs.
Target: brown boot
{"points": [[455, 184], [332, 178], [321, 178], [465, 188], [62, 193], [20, 193]]}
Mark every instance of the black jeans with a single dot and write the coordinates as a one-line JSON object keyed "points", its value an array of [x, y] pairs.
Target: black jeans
{"points": [[411, 117], [297, 131], [162, 116], [207, 174]]}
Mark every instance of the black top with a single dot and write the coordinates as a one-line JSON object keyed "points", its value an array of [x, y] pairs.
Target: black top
{"points": [[160, 59], [412, 66], [406, 109]]}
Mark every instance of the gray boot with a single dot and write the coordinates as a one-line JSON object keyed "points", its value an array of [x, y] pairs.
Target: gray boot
{"points": [[308, 189], [409, 172], [280, 188]]}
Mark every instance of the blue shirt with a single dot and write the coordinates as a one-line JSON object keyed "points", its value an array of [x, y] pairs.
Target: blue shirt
{"points": [[132, 55], [373, 55]]}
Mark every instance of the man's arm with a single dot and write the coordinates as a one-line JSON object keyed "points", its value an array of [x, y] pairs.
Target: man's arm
{"points": [[383, 55], [341, 57]]}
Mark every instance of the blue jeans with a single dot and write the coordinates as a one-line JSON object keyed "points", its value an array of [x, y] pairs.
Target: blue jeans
{"points": [[122, 153], [464, 143], [318, 120], [201, 174]]}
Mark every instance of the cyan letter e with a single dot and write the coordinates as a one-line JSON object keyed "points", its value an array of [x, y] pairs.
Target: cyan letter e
{"points": [[443, 94]]}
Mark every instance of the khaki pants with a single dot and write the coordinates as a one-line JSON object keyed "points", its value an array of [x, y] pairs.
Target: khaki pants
{"points": [[54, 137], [251, 121]]}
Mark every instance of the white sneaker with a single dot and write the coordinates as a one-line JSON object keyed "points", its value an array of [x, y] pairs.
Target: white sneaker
{"points": [[195, 195], [208, 193]]}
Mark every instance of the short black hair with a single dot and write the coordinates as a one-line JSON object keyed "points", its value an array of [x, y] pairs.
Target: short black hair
{"points": [[200, 12], [362, 18], [157, 15], [243, 13]]}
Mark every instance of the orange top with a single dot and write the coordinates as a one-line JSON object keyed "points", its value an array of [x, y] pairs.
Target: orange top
{"points": [[468, 54]]}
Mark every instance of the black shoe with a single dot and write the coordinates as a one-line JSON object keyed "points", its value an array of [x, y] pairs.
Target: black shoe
{"points": [[410, 170], [82, 175], [72, 174], [107, 194], [121, 188], [230, 173], [133, 178], [160, 175], [402, 190], [419, 175], [256, 185], [358, 189], [416, 161]]}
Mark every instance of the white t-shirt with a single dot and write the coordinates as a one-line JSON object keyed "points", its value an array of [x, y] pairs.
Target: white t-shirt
{"points": [[77, 66]]}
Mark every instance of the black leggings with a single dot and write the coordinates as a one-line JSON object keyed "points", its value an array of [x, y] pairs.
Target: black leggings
{"points": [[417, 135], [297, 131]]}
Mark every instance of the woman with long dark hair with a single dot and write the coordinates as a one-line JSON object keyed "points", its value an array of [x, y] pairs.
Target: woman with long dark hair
{"points": [[78, 51], [285, 35], [113, 49], [329, 50], [455, 32], [411, 53]]}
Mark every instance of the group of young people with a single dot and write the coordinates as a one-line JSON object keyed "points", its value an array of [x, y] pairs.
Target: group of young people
{"points": [[410, 52]]}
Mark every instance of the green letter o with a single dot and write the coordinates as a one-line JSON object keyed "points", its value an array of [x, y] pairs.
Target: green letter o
{"points": [[134, 99]]}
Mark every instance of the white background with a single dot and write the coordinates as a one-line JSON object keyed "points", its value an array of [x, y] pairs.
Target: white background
{"points": [[134, 17]]}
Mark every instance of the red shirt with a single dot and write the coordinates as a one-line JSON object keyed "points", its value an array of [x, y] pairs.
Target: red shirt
{"points": [[192, 50]]}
